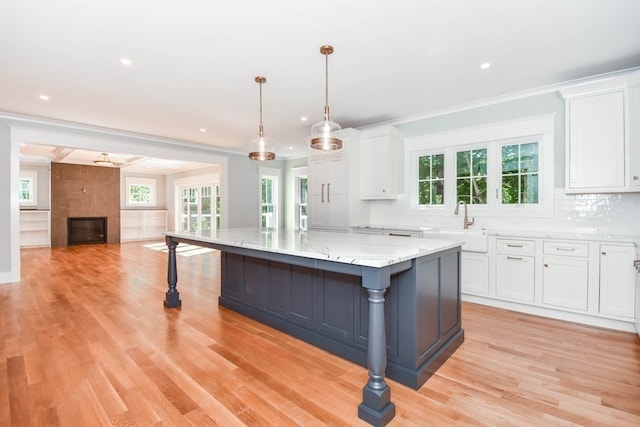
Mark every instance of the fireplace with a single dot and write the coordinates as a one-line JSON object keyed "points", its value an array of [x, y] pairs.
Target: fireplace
{"points": [[85, 230]]}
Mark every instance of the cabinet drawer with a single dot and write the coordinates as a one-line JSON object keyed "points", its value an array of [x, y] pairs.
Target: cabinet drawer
{"points": [[402, 233], [516, 246], [577, 249]]}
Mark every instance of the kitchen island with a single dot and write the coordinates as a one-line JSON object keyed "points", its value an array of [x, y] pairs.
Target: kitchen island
{"points": [[389, 303]]}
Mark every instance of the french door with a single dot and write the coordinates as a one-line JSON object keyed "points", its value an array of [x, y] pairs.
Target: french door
{"points": [[199, 208]]}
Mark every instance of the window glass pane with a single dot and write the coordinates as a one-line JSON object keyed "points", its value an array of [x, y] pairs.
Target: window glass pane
{"points": [[437, 192], [529, 188], [510, 189], [424, 167], [438, 166], [478, 191], [529, 157], [463, 188], [479, 162], [424, 193], [463, 162], [510, 158]]}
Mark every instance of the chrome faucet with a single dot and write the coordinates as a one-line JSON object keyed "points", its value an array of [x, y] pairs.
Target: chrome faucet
{"points": [[467, 223]]}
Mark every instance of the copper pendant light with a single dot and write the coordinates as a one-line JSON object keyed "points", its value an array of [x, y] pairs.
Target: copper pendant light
{"points": [[323, 133], [263, 147]]}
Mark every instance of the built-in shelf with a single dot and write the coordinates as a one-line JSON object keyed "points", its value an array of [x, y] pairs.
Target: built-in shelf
{"points": [[35, 228], [142, 224]]}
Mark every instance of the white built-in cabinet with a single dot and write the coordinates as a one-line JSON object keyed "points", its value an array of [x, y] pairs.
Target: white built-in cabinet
{"points": [[328, 195], [617, 280], [35, 228], [587, 281], [475, 273], [515, 269], [142, 224], [603, 136], [379, 167], [333, 186], [565, 274]]}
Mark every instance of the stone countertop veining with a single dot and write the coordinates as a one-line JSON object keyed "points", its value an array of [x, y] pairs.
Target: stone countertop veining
{"points": [[350, 248]]}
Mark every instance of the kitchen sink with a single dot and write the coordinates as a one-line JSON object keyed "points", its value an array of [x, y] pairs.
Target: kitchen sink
{"points": [[473, 240]]}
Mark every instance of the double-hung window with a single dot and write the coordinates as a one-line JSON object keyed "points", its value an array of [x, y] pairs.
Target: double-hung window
{"points": [[471, 176], [519, 175]]}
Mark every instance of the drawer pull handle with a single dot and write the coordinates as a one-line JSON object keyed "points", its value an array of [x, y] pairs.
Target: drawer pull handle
{"points": [[566, 249], [514, 246], [515, 258], [604, 253], [399, 234]]}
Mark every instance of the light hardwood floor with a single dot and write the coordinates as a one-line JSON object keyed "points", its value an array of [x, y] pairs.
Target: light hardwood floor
{"points": [[85, 341]]}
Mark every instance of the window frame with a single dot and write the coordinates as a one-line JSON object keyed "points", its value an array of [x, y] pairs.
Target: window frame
{"points": [[32, 177], [151, 183], [492, 136]]}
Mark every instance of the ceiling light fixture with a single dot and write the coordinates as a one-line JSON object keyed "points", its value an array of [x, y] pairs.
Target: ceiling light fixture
{"points": [[323, 133], [44, 97], [125, 61], [485, 65], [104, 160], [263, 147]]}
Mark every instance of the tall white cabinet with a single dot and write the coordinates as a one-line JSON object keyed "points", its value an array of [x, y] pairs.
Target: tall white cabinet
{"points": [[328, 195], [333, 186]]}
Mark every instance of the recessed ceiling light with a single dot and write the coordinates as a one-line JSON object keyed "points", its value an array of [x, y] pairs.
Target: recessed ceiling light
{"points": [[44, 97], [485, 65], [203, 130], [290, 148], [125, 61], [303, 118]]}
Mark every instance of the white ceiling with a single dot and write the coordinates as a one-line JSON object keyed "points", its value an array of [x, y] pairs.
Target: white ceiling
{"points": [[194, 61]]}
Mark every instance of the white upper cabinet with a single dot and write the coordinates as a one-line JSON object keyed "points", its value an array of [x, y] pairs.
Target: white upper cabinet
{"points": [[602, 136], [379, 167]]}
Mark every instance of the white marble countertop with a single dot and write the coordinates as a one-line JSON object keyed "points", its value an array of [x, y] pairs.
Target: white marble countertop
{"points": [[350, 248]]}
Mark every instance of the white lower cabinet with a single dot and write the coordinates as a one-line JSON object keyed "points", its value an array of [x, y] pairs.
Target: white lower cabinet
{"points": [[515, 277], [475, 273], [617, 280], [515, 269], [35, 228], [565, 278], [142, 224], [565, 282]]}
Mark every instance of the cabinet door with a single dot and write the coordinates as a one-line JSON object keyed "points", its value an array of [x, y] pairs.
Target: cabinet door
{"points": [[475, 273], [617, 280], [378, 178], [565, 282], [596, 142], [515, 277], [328, 201]]}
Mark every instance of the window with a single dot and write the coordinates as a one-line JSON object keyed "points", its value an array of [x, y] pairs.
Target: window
{"points": [[431, 179], [269, 179], [519, 179], [267, 219], [141, 191], [303, 197], [471, 176], [196, 208], [504, 169], [28, 188]]}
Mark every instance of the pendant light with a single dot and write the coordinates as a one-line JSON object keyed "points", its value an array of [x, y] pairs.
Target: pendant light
{"points": [[323, 133], [263, 147]]}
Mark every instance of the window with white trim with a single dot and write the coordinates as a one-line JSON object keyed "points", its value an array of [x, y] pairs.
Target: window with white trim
{"points": [[519, 175], [140, 191], [471, 176], [28, 188]]}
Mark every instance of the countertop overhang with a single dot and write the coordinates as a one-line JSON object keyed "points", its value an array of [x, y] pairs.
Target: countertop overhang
{"points": [[349, 248]]}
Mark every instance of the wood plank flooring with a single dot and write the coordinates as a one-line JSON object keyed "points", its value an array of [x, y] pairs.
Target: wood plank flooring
{"points": [[85, 341]]}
